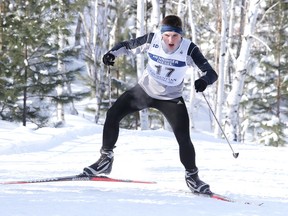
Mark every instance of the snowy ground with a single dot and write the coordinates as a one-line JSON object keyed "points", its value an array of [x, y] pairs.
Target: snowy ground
{"points": [[260, 174]]}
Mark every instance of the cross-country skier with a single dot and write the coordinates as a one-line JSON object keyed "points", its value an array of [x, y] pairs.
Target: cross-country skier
{"points": [[160, 87]]}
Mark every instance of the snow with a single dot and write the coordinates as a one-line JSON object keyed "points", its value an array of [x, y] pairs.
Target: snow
{"points": [[258, 175]]}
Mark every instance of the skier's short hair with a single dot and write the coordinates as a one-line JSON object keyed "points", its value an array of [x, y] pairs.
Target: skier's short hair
{"points": [[171, 23]]}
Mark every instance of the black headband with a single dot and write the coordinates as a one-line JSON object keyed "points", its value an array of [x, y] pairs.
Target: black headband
{"points": [[165, 28]]}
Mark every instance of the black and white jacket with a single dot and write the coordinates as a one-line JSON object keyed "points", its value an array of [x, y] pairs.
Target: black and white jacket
{"points": [[164, 73]]}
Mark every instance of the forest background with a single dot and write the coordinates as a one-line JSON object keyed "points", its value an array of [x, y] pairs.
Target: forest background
{"points": [[51, 62]]}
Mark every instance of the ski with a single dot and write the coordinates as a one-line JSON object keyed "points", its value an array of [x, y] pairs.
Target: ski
{"points": [[225, 198], [80, 177], [215, 196]]}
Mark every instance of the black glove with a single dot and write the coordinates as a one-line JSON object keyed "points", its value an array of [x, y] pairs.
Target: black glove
{"points": [[108, 59], [200, 85]]}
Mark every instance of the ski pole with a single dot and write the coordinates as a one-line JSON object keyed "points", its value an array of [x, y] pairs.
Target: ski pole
{"points": [[235, 155], [109, 85]]}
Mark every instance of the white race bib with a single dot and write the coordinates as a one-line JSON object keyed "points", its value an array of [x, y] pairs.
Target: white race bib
{"points": [[168, 69]]}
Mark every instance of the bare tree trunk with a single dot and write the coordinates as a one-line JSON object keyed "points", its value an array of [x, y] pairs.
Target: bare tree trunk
{"points": [[155, 15], [61, 70], [193, 70], [94, 57], [229, 54], [73, 109], [234, 97], [181, 8], [96, 39], [87, 42], [221, 75], [278, 56], [218, 30], [100, 40], [243, 9], [78, 31], [24, 118], [2, 12], [140, 59]]}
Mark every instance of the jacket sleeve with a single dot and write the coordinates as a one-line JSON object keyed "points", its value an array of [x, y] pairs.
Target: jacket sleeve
{"points": [[124, 47], [210, 75]]}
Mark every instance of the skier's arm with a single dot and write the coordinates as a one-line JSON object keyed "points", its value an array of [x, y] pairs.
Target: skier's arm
{"points": [[210, 75], [124, 47]]}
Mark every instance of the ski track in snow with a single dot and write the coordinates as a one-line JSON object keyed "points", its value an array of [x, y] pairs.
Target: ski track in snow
{"points": [[259, 174]]}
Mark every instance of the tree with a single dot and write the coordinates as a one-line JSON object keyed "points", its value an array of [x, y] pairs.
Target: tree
{"points": [[266, 95], [140, 59], [222, 61], [28, 61], [96, 27], [193, 71], [235, 95]]}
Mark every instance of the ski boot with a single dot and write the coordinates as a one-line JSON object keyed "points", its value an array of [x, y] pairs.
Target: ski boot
{"points": [[102, 166], [194, 183]]}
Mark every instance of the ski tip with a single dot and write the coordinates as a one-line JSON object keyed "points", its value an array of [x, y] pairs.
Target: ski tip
{"points": [[221, 197]]}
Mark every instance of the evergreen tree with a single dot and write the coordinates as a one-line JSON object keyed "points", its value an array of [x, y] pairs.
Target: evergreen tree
{"points": [[28, 64], [267, 92]]}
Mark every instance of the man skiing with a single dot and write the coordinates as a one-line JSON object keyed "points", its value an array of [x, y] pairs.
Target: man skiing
{"points": [[160, 87]]}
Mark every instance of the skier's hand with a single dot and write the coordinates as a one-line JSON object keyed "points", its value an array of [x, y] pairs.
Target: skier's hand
{"points": [[200, 85], [108, 59]]}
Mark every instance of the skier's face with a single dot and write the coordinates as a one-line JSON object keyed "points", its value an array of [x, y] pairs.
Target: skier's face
{"points": [[172, 40]]}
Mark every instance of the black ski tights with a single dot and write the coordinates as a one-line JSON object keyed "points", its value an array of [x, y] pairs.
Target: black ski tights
{"points": [[174, 110]]}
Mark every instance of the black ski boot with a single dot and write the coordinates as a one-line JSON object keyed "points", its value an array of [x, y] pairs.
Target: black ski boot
{"points": [[195, 184], [102, 166]]}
